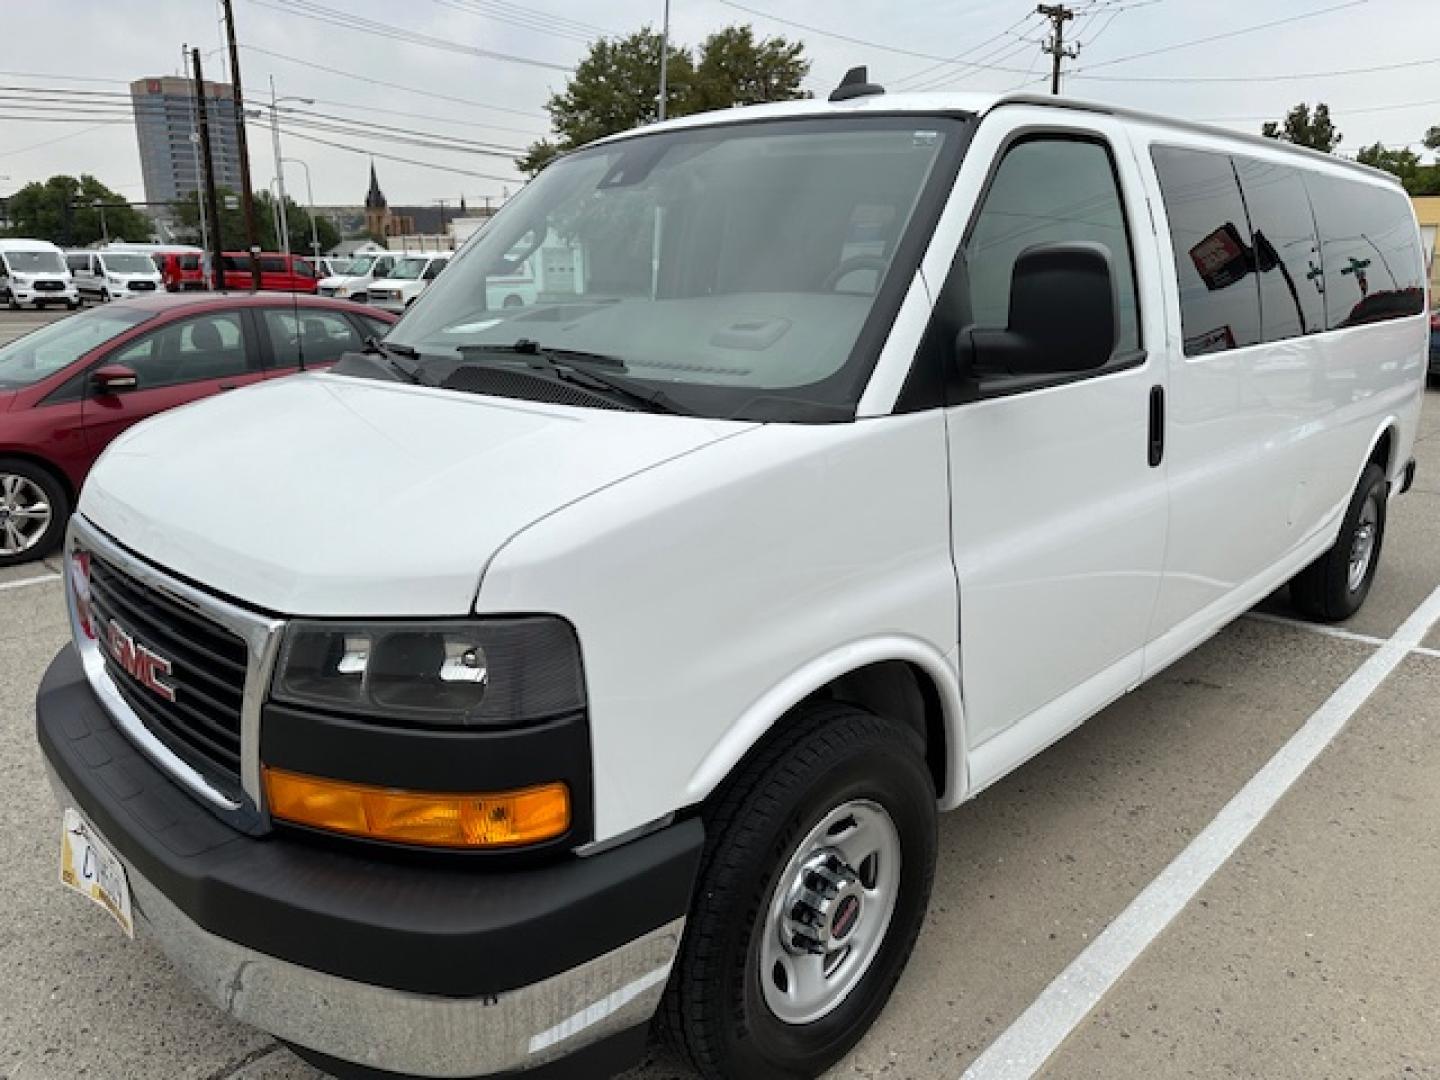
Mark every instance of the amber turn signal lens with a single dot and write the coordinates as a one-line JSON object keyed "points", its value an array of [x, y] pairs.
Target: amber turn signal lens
{"points": [[440, 819]]}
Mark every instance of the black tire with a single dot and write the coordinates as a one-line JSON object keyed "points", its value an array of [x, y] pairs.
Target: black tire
{"points": [[1324, 590], [715, 1011], [58, 500]]}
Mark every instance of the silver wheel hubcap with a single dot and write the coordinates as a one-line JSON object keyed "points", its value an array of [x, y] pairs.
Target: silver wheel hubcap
{"points": [[829, 913], [24, 514], [1362, 548]]}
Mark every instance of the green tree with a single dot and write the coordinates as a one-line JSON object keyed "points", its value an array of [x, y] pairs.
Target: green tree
{"points": [[74, 212], [232, 223], [1303, 127], [616, 87], [1432, 138], [736, 69]]}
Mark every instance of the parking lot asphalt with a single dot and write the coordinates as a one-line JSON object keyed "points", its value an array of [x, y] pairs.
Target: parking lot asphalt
{"points": [[1310, 952]]}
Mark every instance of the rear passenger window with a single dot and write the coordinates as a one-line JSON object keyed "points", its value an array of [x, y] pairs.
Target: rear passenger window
{"points": [[320, 336], [1287, 254], [1049, 190], [272, 264], [1371, 252], [1219, 300]]}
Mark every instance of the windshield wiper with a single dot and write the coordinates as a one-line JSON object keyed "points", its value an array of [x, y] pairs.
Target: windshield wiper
{"points": [[594, 371], [399, 357]]}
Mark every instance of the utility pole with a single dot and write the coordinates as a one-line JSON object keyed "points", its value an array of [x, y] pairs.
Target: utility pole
{"points": [[247, 197], [1059, 15], [664, 60], [212, 209]]}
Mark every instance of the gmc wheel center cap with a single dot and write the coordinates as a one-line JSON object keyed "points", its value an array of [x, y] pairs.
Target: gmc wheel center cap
{"points": [[847, 915]]}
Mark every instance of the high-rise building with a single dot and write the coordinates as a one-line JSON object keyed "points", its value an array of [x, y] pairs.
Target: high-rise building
{"points": [[164, 118]]}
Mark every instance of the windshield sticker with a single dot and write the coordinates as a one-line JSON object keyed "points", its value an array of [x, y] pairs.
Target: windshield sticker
{"points": [[924, 138]]}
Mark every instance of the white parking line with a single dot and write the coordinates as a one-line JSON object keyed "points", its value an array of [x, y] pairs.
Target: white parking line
{"points": [[1024, 1047], [1315, 628], [22, 582]]}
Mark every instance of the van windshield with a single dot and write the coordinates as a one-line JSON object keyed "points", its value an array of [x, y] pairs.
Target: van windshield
{"points": [[358, 266], [408, 269], [34, 262], [43, 352], [129, 264], [731, 267]]}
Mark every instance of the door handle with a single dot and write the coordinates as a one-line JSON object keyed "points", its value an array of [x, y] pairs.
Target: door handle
{"points": [[233, 386], [1157, 425]]}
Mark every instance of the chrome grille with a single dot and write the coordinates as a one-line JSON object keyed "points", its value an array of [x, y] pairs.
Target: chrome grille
{"points": [[208, 666]]}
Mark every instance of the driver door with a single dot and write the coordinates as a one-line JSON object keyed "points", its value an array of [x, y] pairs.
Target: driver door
{"points": [[180, 362]]}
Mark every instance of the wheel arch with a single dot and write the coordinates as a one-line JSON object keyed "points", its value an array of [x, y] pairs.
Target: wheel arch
{"points": [[889, 676], [49, 466]]}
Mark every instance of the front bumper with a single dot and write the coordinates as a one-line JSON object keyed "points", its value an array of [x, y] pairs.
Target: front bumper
{"points": [[25, 295], [424, 969]]}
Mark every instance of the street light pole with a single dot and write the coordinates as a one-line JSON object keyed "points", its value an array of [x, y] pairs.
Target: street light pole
{"points": [[664, 58], [310, 197], [284, 236]]}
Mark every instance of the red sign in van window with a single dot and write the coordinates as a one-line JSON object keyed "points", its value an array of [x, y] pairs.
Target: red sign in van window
{"points": [[1221, 259]]}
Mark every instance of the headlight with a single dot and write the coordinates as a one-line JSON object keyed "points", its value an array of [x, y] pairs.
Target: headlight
{"points": [[454, 673], [19, 279]]}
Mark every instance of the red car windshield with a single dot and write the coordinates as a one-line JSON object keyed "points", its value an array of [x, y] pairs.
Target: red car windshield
{"points": [[43, 352]]}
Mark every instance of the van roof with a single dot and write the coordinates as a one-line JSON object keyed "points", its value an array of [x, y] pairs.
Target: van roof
{"points": [[27, 245], [981, 104]]}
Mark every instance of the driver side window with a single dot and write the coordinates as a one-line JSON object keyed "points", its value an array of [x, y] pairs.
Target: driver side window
{"points": [[1049, 190], [189, 350]]}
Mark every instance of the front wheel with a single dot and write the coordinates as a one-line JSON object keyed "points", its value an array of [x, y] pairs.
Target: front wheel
{"points": [[1334, 586], [33, 510], [819, 859]]}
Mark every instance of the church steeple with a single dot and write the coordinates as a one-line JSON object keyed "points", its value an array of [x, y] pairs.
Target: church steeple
{"points": [[374, 198]]}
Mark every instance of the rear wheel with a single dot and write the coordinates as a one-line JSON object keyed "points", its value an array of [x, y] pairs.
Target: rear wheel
{"points": [[33, 511], [1335, 585], [819, 859]]}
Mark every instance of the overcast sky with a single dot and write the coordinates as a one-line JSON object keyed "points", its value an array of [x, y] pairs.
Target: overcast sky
{"points": [[106, 44]]}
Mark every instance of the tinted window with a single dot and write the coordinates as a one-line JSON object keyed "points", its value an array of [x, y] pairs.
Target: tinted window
{"points": [[1219, 299], [77, 263], [1049, 191], [272, 264], [303, 268], [1371, 253], [204, 347], [236, 262], [321, 335], [1287, 254], [378, 327], [41, 353]]}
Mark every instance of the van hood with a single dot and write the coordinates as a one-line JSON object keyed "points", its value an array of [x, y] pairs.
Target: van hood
{"points": [[326, 495]]}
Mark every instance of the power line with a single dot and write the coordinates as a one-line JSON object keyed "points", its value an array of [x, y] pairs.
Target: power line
{"points": [[1227, 34], [59, 138], [1295, 77], [847, 38], [389, 85], [550, 25], [914, 78], [402, 160], [305, 9]]}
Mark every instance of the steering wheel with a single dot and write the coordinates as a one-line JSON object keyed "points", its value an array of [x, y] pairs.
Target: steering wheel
{"points": [[877, 263]]}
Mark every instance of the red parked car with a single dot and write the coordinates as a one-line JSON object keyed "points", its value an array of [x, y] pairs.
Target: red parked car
{"points": [[67, 389], [278, 273], [181, 271]]}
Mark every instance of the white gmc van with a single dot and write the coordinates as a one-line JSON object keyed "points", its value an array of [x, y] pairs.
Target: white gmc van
{"points": [[613, 654]]}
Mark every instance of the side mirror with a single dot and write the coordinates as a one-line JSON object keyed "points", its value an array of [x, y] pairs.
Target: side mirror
{"points": [[1064, 316], [114, 379]]}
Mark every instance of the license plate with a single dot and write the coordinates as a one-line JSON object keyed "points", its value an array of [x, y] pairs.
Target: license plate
{"points": [[92, 870]]}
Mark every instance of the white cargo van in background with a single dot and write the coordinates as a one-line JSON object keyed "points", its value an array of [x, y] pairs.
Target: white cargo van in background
{"points": [[359, 273], [114, 275], [613, 653], [34, 272]]}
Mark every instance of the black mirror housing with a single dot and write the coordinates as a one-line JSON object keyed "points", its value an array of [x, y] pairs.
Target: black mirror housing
{"points": [[1064, 315]]}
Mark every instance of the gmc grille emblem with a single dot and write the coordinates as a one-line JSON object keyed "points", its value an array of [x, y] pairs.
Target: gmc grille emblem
{"points": [[143, 664]]}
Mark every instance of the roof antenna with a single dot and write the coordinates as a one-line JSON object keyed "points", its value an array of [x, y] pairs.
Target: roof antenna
{"points": [[856, 83]]}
